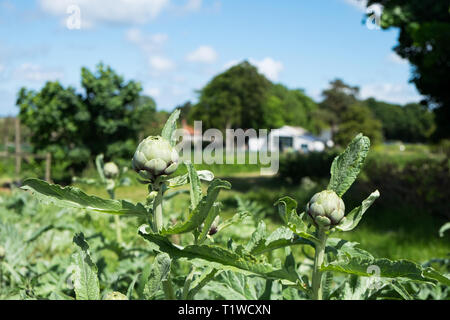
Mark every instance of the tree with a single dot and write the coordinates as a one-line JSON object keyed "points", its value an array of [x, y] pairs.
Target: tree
{"points": [[106, 118], [289, 107], [233, 99], [356, 119], [116, 112], [423, 39], [337, 99], [410, 123]]}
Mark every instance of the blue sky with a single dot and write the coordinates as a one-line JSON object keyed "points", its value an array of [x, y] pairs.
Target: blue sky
{"points": [[174, 47]]}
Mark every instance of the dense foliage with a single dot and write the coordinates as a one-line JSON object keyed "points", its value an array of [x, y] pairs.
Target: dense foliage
{"points": [[409, 123], [424, 27], [241, 97], [194, 255], [64, 122]]}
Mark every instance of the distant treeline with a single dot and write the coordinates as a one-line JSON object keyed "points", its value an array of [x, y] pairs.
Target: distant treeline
{"points": [[110, 115], [241, 97]]}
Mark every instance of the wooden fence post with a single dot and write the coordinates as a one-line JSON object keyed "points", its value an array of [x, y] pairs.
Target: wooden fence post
{"points": [[18, 148], [48, 167]]}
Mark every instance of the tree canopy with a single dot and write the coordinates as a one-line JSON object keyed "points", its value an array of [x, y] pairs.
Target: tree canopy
{"points": [[424, 27], [241, 97], [105, 118]]}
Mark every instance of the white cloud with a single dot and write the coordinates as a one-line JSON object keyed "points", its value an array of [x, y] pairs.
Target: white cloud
{"points": [[203, 54], [358, 4], [33, 72], [267, 66], [395, 58], [149, 43], [118, 11], [390, 92], [160, 64]]}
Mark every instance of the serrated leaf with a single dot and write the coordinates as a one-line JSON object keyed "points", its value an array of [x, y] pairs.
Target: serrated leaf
{"points": [[280, 238], [258, 237], [84, 274], [236, 286], [401, 290], [353, 218], [361, 266], [218, 257], [288, 213], [159, 273], [206, 276], [183, 179], [199, 214], [345, 249], [170, 127], [346, 167], [75, 198]]}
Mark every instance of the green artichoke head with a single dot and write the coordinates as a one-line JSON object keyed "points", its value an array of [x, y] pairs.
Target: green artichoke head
{"points": [[326, 209], [111, 170], [155, 157]]}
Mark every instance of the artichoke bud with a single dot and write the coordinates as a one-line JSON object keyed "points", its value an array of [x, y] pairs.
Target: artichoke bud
{"points": [[326, 209], [155, 157], [213, 229], [115, 296], [110, 170], [151, 196]]}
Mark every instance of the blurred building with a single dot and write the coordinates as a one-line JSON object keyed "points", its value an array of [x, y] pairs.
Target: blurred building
{"points": [[289, 138]]}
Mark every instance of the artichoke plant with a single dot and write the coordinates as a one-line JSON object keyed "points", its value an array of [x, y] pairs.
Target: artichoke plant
{"points": [[155, 157], [111, 170], [326, 209]]}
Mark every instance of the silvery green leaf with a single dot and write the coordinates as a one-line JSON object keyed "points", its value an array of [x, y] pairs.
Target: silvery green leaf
{"points": [[99, 164], [401, 290], [404, 269], [75, 198], [202, 280], [213, 213], [198, 215], [258, 236], [288, 213], [84, 274], [346, 167], [352, 219], [237, 218], [159, 273], [236, 286], [280, 238], [444, 228], [170, 127], [183, 179], [218, 257]]}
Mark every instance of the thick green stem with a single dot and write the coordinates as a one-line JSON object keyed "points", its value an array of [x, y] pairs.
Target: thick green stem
{"points": [[116, 218], [157, 211], [168, 289], [318, 261]]}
